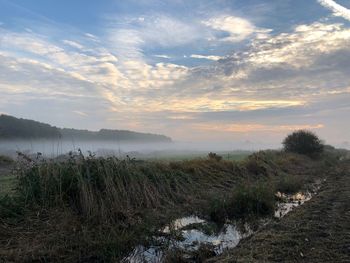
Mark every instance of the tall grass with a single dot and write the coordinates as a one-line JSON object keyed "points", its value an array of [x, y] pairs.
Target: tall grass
{"points": [[245, 200], [107, 190]]}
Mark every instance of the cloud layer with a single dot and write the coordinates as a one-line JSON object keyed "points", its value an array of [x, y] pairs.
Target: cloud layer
{"points": [[216, 73]]}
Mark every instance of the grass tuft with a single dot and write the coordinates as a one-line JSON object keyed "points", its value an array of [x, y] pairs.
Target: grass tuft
{"points": [[244, 201]]}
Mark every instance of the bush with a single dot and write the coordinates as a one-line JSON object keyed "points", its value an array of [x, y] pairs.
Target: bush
{"points": [[214, 156], [289, 184], [246, 200], [303, 142], [255, 199]]}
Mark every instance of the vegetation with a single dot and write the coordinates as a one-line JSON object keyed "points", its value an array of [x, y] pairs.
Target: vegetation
{"points": [[289, 184], [245, 200], [97, 209], [14, 128], [257, 199], [5, 160], [214, 156], [303, 142], [11, 127], [112, 135]]}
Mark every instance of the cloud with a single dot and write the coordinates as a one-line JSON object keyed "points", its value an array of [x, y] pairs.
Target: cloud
{"points": [[129, 35], [254, 127], [238, 28], [296, 48], [215, 58], [337, 9], [294, 79], [163, 56], [73, 44], [80, 113]]}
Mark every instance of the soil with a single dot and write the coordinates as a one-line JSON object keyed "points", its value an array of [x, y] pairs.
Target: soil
{"points": [[318, 231]]}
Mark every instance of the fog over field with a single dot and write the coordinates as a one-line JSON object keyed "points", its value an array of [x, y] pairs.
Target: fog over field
{"points": [[54, 148]]}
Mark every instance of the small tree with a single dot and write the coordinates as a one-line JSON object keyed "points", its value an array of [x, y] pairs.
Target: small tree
{"points": [[303, 142], [214, 156]]}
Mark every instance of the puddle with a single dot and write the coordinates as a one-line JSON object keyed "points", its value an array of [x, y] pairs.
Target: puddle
{"points": [[183, 222], [190, 240], [191, 234], [290, 202], [228, 237]]}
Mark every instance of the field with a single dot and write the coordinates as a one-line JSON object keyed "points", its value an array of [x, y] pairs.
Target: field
{"points": [[88, 209]]}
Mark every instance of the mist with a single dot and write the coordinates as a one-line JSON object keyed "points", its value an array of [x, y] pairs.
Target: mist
{"points": [[53, 148]]}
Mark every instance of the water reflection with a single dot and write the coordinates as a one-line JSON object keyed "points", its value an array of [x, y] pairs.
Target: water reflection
{"points": [[192, 236], [289, 202]]}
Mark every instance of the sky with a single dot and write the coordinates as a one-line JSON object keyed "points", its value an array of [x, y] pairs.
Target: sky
{"points": [[220, 70]]}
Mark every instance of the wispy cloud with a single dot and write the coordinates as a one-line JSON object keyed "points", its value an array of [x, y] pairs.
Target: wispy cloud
{"points": [[80, 113], [73, 44], [210, 57], [163, 56], [337, 9], [254, 127]]}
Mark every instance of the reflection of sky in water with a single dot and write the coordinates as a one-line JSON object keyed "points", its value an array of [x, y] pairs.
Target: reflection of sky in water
{"points": [[229, 237], [291, 201], [182, 222]]}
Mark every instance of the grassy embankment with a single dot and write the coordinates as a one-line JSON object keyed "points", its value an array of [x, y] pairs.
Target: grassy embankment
{"points": [[96, 209], [316, 232]]}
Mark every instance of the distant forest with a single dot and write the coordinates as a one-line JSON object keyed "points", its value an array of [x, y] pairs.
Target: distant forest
{"points": [[15, 128]]}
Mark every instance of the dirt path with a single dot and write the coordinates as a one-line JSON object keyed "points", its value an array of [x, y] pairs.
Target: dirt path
{"points": [[318, 231]]}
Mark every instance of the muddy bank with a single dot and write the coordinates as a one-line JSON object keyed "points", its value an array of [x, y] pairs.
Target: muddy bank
{"points": [[318, 231]]}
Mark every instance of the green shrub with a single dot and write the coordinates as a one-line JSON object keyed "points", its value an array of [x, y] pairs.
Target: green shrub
{"points": [[303, 142], [254, 166], [245, 200], [289, 184], [257, 199], [217, 210], [214, 156]]}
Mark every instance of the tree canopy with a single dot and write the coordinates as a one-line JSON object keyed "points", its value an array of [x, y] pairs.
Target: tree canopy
{"points": [[15, 128], [303, 142]]}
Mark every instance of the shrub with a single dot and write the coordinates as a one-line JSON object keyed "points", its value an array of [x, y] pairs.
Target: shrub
{"points": [[217, 210], [214, 156], [303, 142], [257, 199], [255, 166], [246, 200], [289, 184]]}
